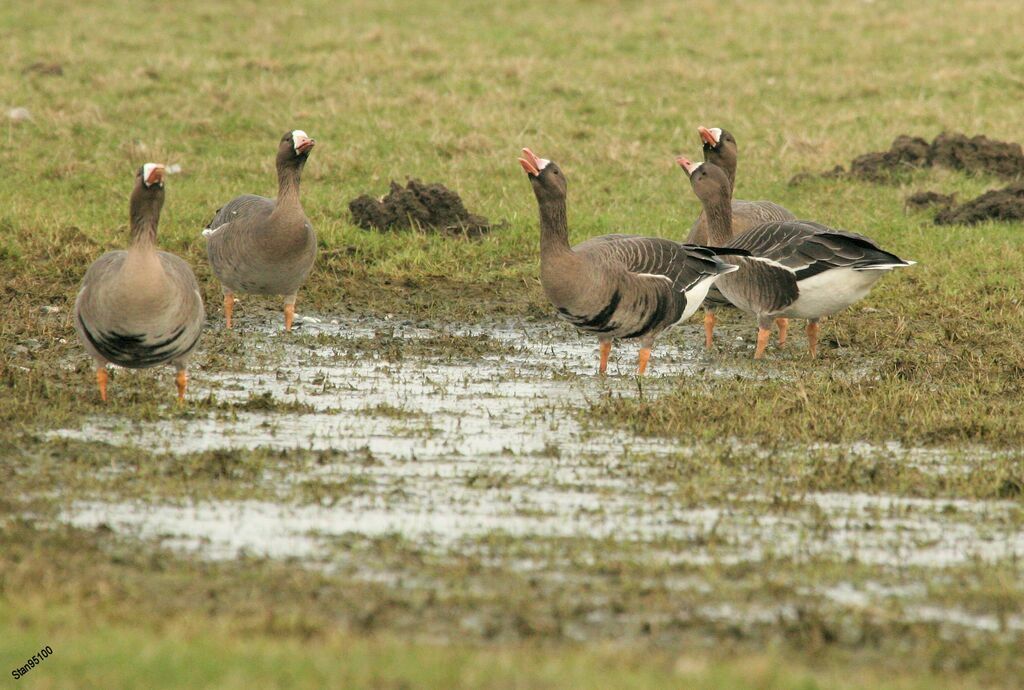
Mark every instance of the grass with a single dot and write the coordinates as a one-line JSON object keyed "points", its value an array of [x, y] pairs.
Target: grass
{"points": [[128, 656], [612, 91], [151, 634]]}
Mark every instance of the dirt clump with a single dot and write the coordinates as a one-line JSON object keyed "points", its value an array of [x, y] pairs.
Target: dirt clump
{"points": [[995, 204], [922, 200], [904, 153], [802, 177], [431, 207], [977, 154], [953, 150]]}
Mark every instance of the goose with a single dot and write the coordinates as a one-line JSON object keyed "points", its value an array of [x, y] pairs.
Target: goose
{"points": [[266, 246], [140, 307], [795, 269], [720, 148], [615, 286]]}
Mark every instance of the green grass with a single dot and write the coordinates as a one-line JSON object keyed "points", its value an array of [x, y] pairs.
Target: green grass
{"points": [[182, 654], [612, 91]]}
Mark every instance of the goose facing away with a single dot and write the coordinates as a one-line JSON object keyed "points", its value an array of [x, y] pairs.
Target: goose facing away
{"points": [[796, 269], [140, 307], [720, 148], [615, 286], [266, 246]]}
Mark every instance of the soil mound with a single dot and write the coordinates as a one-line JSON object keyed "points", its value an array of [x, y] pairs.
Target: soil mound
{"points": [[906, 152], [922, 200], [953, 150], [431, 207], [977, 154], [995, 204]]}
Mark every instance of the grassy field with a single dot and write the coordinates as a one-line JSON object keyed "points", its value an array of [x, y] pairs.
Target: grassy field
{"points": [[934, 358]]}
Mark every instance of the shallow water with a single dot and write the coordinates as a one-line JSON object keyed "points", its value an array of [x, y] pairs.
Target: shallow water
{"points": [[466, 448]]}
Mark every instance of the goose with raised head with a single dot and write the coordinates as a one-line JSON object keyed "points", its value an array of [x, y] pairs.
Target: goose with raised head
{"points": [[615, 286], [795, 269], [720, 148], [140, 307], [265, 246]]}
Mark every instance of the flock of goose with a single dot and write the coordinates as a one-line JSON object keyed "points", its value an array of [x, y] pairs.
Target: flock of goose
{"points": [[141, 307]]}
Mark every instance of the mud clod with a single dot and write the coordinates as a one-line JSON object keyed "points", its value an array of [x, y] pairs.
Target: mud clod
{"points": [[922, 200], [420, 206], [905, 153], [995, 204], [953, 150], [977, 154]]}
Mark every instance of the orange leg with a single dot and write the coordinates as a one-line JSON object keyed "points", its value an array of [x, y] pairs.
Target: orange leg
{"points": [[101, 380], [229, 307], [645, 355], [606, 348], [762, 342], [182, 380], [812, 338], [289, 316], [783, 324], [709, 328]]}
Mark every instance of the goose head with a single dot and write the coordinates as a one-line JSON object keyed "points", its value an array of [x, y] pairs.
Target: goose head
{"points": [[719, 147], [545, 176], [709, 182], [294, 147]]}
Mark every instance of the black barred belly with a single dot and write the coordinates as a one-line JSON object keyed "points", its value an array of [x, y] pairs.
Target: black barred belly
{"points": [[650, 313], [133, 352]]}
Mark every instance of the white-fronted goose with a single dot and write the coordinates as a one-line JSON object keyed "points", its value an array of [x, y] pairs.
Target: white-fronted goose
{"points": [[141, 307], [720, 148], [615, 286], [266, 246], [796, 269]]}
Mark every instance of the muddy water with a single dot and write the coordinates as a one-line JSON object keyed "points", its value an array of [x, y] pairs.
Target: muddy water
{"points": [[465, 448]]}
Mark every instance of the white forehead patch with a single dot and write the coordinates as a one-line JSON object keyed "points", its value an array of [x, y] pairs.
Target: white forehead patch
{"points": [[542, 163], [147, 169], [695, 167], [716, 132], [296, 135]]}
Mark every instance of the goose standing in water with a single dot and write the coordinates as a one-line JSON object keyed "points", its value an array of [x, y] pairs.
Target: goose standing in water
{"points": [[796, 269], [720, 148], [266, 246], [616, 286], [140, 308]]}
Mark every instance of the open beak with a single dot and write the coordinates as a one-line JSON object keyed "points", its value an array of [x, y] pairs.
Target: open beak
{"points": [[303, 144], [154, 174], [530, 163], [708, 136], [687, 165]]}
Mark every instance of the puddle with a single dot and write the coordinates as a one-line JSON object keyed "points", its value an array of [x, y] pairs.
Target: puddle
{"points": [[449, 517], [460, 451]]}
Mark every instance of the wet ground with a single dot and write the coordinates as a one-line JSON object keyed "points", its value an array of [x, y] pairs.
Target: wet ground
{"points": [[472, 444]]}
